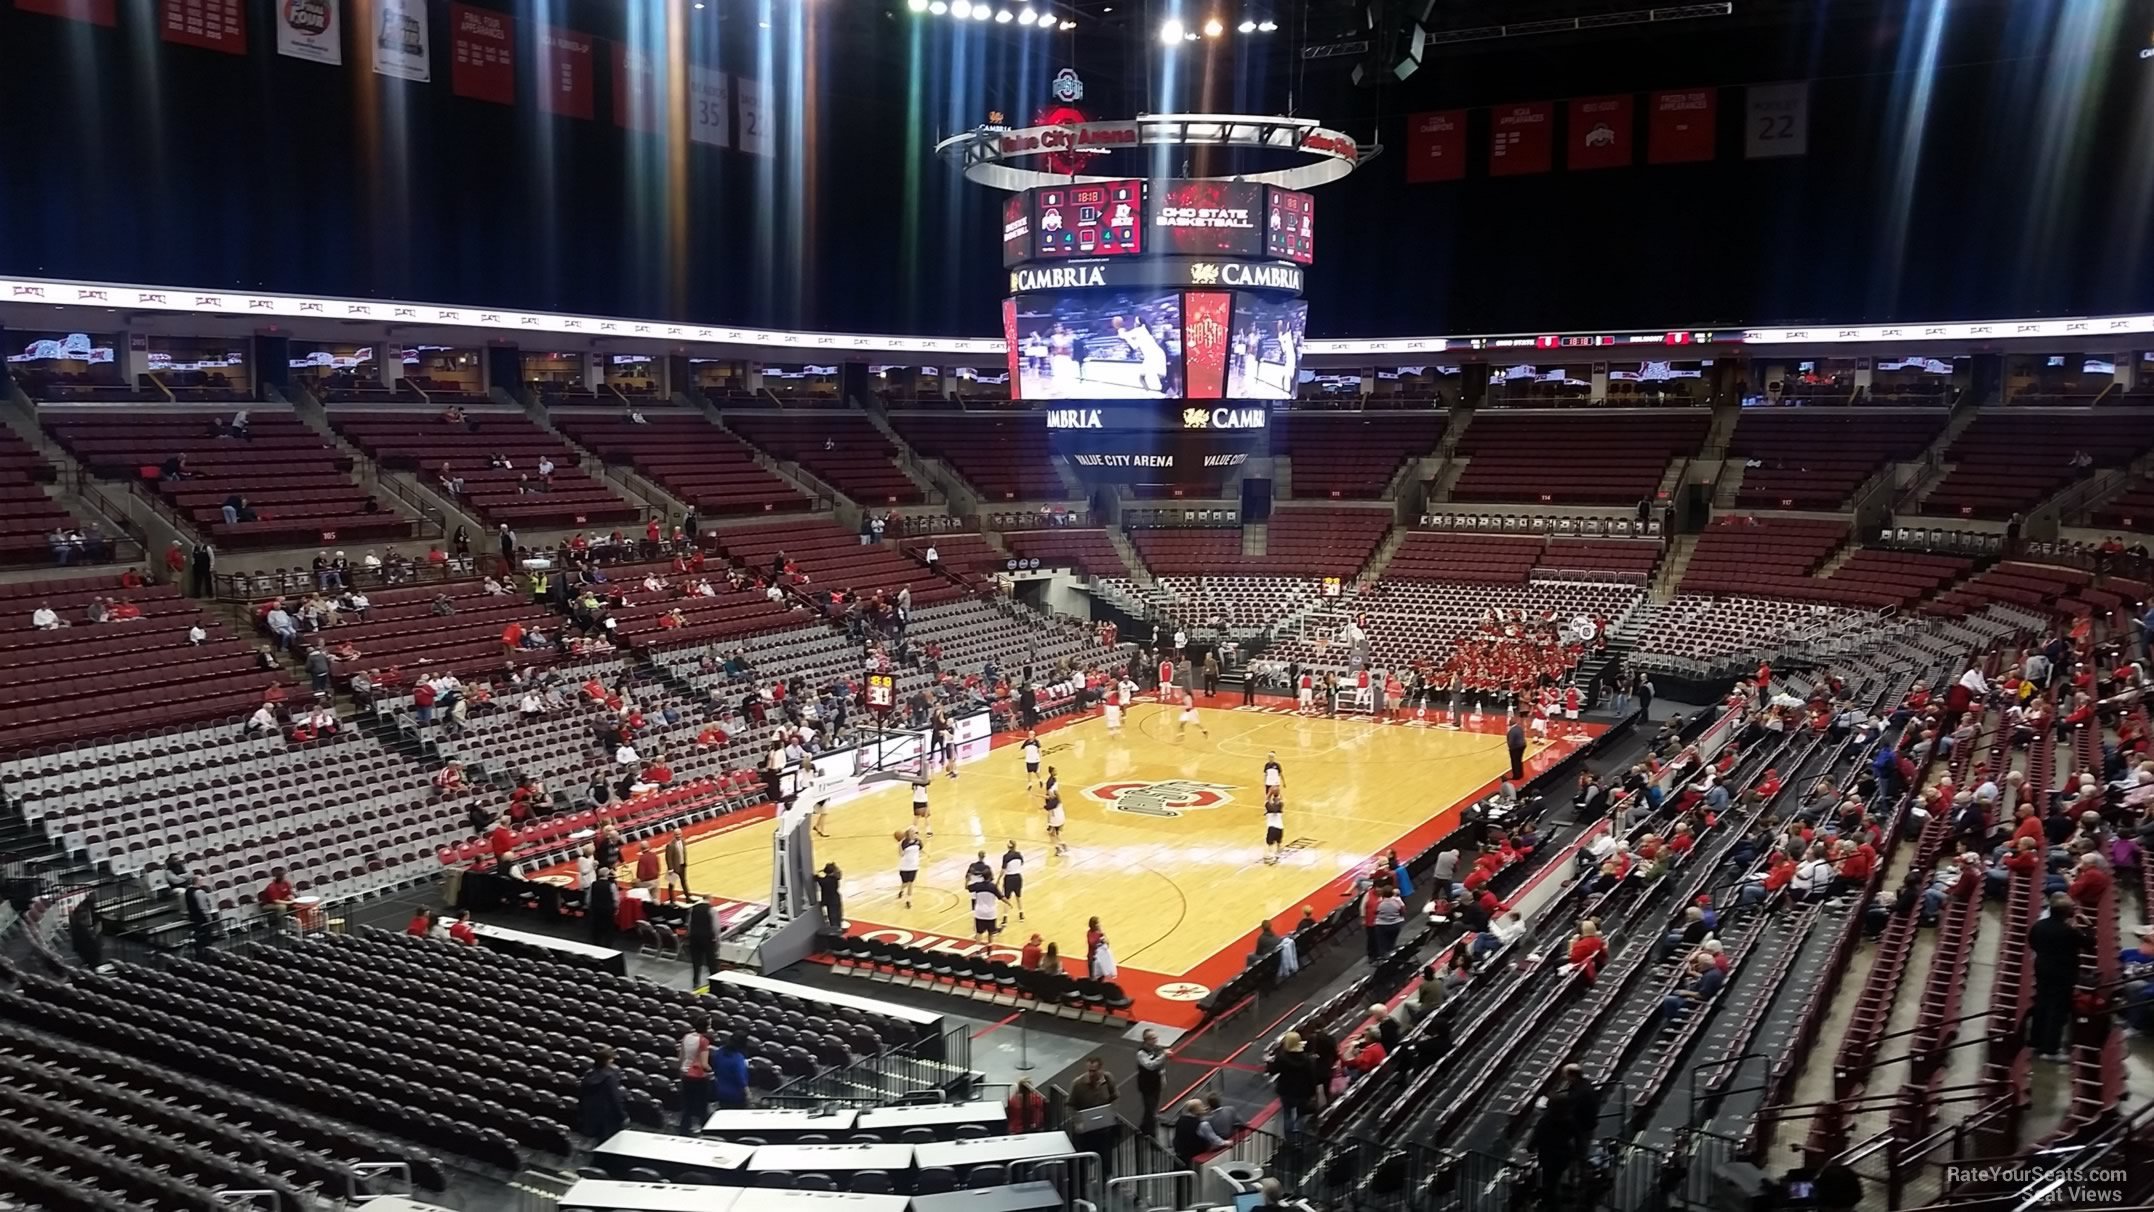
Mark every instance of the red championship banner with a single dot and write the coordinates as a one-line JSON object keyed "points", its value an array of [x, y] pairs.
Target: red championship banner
{"points": [[1520, 138], [1600, 132], [96, 12], [635, 89], [1680, 125], [482, 54], [1205, 315], [564, 72], [1009, 342], [1436, 146], [218, 25]]}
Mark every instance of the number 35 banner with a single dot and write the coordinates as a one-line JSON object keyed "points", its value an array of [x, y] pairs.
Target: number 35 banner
{"points": [[1778, 121], [710, 106]]}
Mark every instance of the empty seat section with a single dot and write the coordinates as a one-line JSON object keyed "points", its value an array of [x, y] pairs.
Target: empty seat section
{"points": [[91, 679], [689, 457], [844, 450], [1312, 542], [1570, 457], [1353, 457], [298, 486], [833, 558], [1443, 555], [1005, 458], [1627, 559], [28, 514], [1760, 555], [2008, 462], [2132, 509], [1802, 458], [423, 441]]}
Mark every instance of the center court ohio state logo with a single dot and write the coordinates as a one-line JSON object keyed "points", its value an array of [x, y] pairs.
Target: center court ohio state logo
{"points": [[1164, 799]]}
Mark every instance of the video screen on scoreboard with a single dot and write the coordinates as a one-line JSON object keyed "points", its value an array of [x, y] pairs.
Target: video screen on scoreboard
{"points": [[1100, 219], [1264, 353], [1016, 229], [1207, 218], [1289, 225], [1094, 345]]}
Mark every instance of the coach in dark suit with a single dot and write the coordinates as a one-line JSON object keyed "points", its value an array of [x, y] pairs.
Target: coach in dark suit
{"points": [[702, 942], [1514, 739]]}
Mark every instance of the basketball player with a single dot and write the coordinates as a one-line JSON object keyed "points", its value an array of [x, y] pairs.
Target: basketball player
{"points": [[1114, 707], [1305, 694], [978, 870], [1274, 781], [1032, 760], [822, 795], [1289, 356], [908, 865], [941, 741], [1052, 784], [1188, 717], [1052, 802], [1062, 369], [921, 818], [1274, 826], [986, 907], [1151, 359], [1570, 708], [1013, 878]]}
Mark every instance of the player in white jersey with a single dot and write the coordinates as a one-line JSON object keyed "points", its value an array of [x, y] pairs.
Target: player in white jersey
{"points": [[1062, 368], [1290, 356], [1274, 780], [1032, 760], [1151, 358], [908, 864], [1013, 878], [922, 819], [1188, 717], [1274, 826], [986, 907], [1053, 805], [1114, 707]]}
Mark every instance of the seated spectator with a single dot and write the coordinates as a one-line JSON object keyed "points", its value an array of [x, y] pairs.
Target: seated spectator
{"points": [[1588, 949], [45, 618], [460, 930], [278, 893], [264, 720], [421, 924], [1702, 978], [449, 780]]}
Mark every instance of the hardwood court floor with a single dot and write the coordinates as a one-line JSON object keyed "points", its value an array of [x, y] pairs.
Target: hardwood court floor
{"points": [[1166, 834]]}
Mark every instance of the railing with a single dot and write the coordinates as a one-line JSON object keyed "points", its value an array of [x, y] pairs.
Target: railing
{"points": [[429, 516], [926, 1069]]}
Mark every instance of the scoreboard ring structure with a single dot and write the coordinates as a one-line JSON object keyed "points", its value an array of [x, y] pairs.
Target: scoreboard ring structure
{"points": [[986, 153]]}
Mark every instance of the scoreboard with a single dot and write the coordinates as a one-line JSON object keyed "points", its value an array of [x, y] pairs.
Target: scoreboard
{"points": [[1290, 225], [1097, 219]]}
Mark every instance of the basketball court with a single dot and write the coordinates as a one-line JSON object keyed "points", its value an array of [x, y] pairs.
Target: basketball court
{"points": [[1165, 832]]}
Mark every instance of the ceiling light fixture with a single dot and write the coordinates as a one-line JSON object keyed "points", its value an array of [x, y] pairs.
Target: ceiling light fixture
{"points": [[1213, 28], [1027, 17], [1171, 32], [937, 7], [1246, 27], [1266, 27]]}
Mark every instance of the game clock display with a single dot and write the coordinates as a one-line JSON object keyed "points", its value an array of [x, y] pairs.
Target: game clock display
{"points": [[1102, 219]]}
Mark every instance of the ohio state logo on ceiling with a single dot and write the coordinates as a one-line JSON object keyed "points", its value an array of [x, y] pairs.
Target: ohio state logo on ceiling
{"points": [[1170, 798]]}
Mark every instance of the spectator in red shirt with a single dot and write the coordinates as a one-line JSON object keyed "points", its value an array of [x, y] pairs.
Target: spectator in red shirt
{"points": [[461, 930], [1588, 949], [647, 869], [278, 892], [2090, 880], [422, 702], [421, 923], [449, 780], [502, 841]]}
